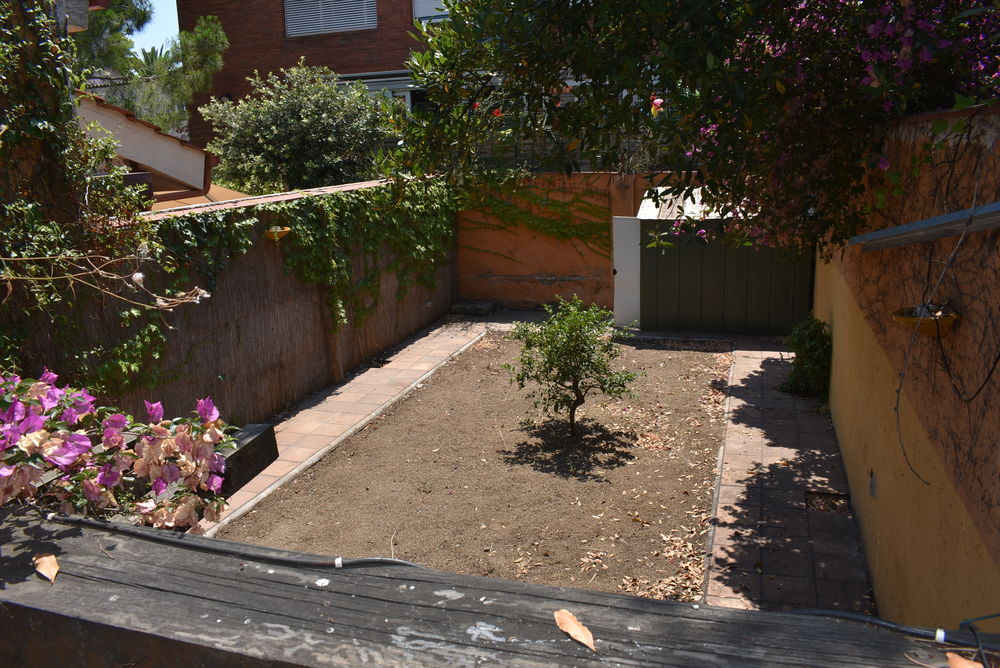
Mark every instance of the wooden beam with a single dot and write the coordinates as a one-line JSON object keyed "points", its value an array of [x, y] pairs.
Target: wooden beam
{"points": [[129, 599]]}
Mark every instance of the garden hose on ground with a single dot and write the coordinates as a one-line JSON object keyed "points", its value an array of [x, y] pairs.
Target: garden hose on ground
{"points": [[225, 547], [964, 638]]}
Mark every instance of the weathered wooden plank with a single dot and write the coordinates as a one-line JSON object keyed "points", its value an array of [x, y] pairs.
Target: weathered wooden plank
{"points": [[140, 601]]}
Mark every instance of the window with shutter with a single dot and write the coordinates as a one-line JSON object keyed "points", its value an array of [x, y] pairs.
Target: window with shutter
{"points": [[311, 17], [427, 10]]}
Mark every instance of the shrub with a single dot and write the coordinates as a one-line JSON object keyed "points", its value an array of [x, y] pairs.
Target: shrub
{"points": [[60, 450], [298, 128], [569, 356], [812, 343]]}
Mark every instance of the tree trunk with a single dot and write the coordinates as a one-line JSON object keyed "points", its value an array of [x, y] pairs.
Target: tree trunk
{"points": [[576, 404]]}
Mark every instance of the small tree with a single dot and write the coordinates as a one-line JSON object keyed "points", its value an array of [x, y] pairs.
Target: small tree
{"points": [[569, 356]]}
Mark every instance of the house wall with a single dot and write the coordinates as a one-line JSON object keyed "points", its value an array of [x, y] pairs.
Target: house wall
{"points": [[256, 32], [933, 547], [264, 340], [515, 266]]}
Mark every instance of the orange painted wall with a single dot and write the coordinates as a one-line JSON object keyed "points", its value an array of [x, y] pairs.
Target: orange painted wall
{"points": [[925, 483], [520, 267]]}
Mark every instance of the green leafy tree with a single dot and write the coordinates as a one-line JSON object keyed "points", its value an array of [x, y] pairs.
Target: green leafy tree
{"points": [[778, 110], [569, 356], [156, 84], [71, 243], [298, 128]]}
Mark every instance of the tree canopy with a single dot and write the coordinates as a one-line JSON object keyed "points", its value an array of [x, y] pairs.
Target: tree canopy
{"points": [[777, 109], [297, 128], [156, 84]]}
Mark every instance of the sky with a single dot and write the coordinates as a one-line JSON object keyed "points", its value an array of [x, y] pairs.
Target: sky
{"points": [[161, 29]]}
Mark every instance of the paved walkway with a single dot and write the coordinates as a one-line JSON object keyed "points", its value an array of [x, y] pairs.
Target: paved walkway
{"points": [[783, 535]]}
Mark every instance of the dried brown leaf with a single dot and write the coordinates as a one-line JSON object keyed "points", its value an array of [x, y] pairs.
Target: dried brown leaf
{"points": [[46, 565], [959, 661], [569, 624]]}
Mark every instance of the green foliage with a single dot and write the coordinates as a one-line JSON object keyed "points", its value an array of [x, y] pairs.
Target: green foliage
{"points": [[156, 84], [578, 218], [335, 237], [74, 254], [777, 110], [569, 356], [298, 128], [812, 343]]}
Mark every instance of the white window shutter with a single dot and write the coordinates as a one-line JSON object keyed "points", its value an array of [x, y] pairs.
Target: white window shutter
{"points": [[427, 10], [311, 17]]}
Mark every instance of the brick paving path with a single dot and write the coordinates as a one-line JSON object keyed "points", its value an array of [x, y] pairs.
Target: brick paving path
{"points": [[783, 533]]}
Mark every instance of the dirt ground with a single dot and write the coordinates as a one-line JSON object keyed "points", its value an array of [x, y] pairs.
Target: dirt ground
{"points": [[466, 475]]}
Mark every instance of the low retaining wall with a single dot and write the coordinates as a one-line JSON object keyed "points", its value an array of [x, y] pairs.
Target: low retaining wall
{"points": [[265, 340]]}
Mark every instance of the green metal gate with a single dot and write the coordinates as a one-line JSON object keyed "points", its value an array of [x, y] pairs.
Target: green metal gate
{"points": [[714, 289]]}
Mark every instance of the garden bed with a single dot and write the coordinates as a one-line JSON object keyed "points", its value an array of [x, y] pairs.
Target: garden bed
{"points": [[466, 475]]}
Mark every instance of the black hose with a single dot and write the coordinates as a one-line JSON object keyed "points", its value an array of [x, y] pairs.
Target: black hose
{"points": [[963, 638], [226, 547]]}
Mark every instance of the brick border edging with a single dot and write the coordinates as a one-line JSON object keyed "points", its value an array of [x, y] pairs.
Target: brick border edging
{"points": [[322, 452]]}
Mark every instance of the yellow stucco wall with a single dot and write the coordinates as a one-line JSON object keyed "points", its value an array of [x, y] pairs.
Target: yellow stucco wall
{"points": [[928, 562]]}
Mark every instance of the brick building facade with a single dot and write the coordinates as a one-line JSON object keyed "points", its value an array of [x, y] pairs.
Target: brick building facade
{"points": [[359, 39]]}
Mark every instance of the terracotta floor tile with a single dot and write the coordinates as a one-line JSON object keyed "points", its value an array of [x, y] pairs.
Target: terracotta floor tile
{"points": [[296, 454], [278, 468], [287, 438], [734, 584], [239, 498], [787, 590], [843, 568], [797, 563], [259, 483], [332, 429], [853, 596], [296, 427]]}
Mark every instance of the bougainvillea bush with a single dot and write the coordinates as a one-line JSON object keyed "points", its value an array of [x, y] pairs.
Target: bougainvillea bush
{"points": [[779, 110], [59, 450]]}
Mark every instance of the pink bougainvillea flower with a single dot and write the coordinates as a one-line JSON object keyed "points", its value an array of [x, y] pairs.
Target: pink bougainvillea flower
{"points": [[217, 464], [13, 413], [146, 506], [497, 112], [91, 490], [110, 475], [116, 421], [69, 448], [207, 411], [159, 486], [51, 398], [155, 411], [48, 377], [214, 483]]}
